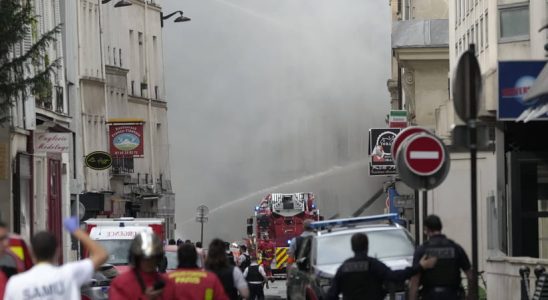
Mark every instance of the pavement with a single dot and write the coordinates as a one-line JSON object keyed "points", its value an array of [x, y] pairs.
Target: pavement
{"points": [[276, 290]]}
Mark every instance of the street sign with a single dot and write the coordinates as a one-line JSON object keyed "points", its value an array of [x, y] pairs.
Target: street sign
{"points": [[402, 136], [202, 211], [404, 201], [424, 154], [201, 219], [429, 164], [467, 86], [380, 144]]}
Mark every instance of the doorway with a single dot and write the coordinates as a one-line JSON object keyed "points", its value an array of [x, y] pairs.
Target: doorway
{"points": [[54, 199], [528, 190]]}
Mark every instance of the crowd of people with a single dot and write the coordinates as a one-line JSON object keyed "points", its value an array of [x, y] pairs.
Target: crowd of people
{"points": [[218, 275]]}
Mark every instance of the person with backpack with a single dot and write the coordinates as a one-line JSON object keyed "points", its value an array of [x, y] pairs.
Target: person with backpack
{"points": [[294, 246], [256, 277], [230, 276], [243, 260]]}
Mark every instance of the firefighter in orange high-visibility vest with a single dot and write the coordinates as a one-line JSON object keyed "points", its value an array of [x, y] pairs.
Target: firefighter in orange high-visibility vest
{"points": [[267, 249]]}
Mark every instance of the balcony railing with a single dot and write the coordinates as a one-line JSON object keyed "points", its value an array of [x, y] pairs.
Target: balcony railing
{"points": [[122, 165]]}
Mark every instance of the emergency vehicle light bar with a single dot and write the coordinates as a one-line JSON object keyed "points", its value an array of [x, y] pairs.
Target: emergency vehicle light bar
{"points": [[354, 221]]}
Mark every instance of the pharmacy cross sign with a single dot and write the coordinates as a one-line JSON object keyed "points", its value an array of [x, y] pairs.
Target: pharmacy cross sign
{"points": [[424, 154]]}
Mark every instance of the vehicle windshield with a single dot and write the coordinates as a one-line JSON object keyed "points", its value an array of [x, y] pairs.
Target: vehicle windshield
{"points": [[383, 244], [171, 260], [118, 251]]}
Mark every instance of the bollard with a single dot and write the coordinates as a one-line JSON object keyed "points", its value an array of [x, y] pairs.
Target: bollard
{"points": [[540, 283], [524, 272]]}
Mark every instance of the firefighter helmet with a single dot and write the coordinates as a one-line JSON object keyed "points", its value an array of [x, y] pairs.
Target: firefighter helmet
{"points": [[145, 245]]}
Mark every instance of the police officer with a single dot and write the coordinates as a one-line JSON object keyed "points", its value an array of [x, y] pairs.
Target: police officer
{"points": [[362, 277], [444, 280]]}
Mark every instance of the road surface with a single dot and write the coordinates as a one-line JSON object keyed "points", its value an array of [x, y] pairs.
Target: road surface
{"points": [[276, 290]]}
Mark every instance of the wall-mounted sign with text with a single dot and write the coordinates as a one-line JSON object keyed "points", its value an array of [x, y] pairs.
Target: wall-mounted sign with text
{"points": [[126, 139], [98, 160], [58, 142]]}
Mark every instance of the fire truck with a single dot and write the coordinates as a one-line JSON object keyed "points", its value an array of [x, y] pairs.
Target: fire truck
{"points": [[281, 217]]}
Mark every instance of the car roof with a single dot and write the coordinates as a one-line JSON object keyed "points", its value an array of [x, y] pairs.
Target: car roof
{"points": [[359, 228]]}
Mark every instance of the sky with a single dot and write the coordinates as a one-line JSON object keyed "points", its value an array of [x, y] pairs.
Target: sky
{"points": [[273, 96]]}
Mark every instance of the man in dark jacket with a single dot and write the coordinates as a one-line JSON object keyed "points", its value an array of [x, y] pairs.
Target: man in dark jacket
{"points": [[362, 277]]}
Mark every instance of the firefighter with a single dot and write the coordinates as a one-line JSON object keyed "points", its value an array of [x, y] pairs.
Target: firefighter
{"points": [[191, 282], [267, 249], [143, 281], [443, 281]]}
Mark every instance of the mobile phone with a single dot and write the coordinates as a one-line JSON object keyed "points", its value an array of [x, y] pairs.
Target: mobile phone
{"points": [[158, 285]]}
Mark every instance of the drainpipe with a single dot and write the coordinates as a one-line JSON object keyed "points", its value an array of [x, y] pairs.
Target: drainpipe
{"points": [[150, 125], [400, 94]]}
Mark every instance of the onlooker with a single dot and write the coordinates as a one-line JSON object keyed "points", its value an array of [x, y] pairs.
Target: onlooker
{"points": [[256, 278], [4, 235], [362, 276], [243, 260], [179, 242], [201, 255], [229, 255], [143, 281], [191, 282], [231, 277], [444, 280], [171, 242], [60, 282], [296, 242]]}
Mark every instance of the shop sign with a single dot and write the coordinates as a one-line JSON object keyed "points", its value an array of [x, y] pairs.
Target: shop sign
{"points": [[52, 142], [515, 79], [126, 139], [98, 160], [380, 146]]}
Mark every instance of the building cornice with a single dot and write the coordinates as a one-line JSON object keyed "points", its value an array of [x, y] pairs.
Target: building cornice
{"points": [[114, 70], [441, 53], [61, 118], [153, 6], [144, 101]]}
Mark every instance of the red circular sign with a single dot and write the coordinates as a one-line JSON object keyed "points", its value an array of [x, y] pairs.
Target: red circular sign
{"points": [[402, 136], [424, 154]]}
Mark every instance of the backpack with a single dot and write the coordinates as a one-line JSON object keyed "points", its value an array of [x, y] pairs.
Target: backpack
{"points": [[245, 263]]}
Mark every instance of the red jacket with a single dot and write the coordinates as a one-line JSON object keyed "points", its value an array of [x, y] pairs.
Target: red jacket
{"points": [[197, 284], [3, 282], [126, 286], [268, 249]]}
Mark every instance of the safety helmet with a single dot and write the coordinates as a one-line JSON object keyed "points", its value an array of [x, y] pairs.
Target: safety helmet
{"points": [[145, 245]]}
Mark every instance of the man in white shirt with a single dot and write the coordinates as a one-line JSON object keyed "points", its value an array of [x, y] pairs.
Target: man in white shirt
{"points": [[256, 277], [47, 281], [294, 246]]}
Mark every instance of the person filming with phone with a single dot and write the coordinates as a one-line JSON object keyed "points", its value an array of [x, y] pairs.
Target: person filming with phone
{"points": [[143, 281]]}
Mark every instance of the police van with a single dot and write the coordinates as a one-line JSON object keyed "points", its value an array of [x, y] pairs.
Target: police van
{"points": [[320, 256]]}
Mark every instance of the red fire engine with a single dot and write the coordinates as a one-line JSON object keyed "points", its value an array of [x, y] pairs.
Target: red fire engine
{"points": [[280, 217]]}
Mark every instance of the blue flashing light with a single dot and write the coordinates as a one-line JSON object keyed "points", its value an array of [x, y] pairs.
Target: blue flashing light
{"points": [[289, 242], [313, 205], [256, 208], [352, 221]]}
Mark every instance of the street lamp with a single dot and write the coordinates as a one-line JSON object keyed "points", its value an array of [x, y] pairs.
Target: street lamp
{"points": [[179, 19], [120, 3]]}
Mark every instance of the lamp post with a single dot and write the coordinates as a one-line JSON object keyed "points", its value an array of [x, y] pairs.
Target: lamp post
{"points": [[180, 18], [201, 217]]}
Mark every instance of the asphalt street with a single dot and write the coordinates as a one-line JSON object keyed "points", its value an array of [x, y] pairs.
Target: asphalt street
{"points": [[276, 290]]}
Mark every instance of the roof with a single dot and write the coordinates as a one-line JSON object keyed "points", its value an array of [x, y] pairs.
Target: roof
{"points": [[356, 229], [420, 34]]}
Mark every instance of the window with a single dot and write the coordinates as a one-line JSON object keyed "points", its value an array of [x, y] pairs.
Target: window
{"points": [[120, 56], [114, 56], [467, 40], [486, 30], [473, 41], [481, 34], [476, 37], [458, 2], [514, 22]]}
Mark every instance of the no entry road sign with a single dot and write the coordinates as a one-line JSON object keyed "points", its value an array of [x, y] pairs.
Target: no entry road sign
{"points": [[402, 136], [424, 154]]}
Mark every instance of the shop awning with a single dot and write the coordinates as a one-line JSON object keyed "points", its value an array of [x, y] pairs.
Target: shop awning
{"points": [[537, 97]]}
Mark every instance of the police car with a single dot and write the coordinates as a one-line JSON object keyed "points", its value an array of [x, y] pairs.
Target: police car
{"points": [[320, 256]]}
